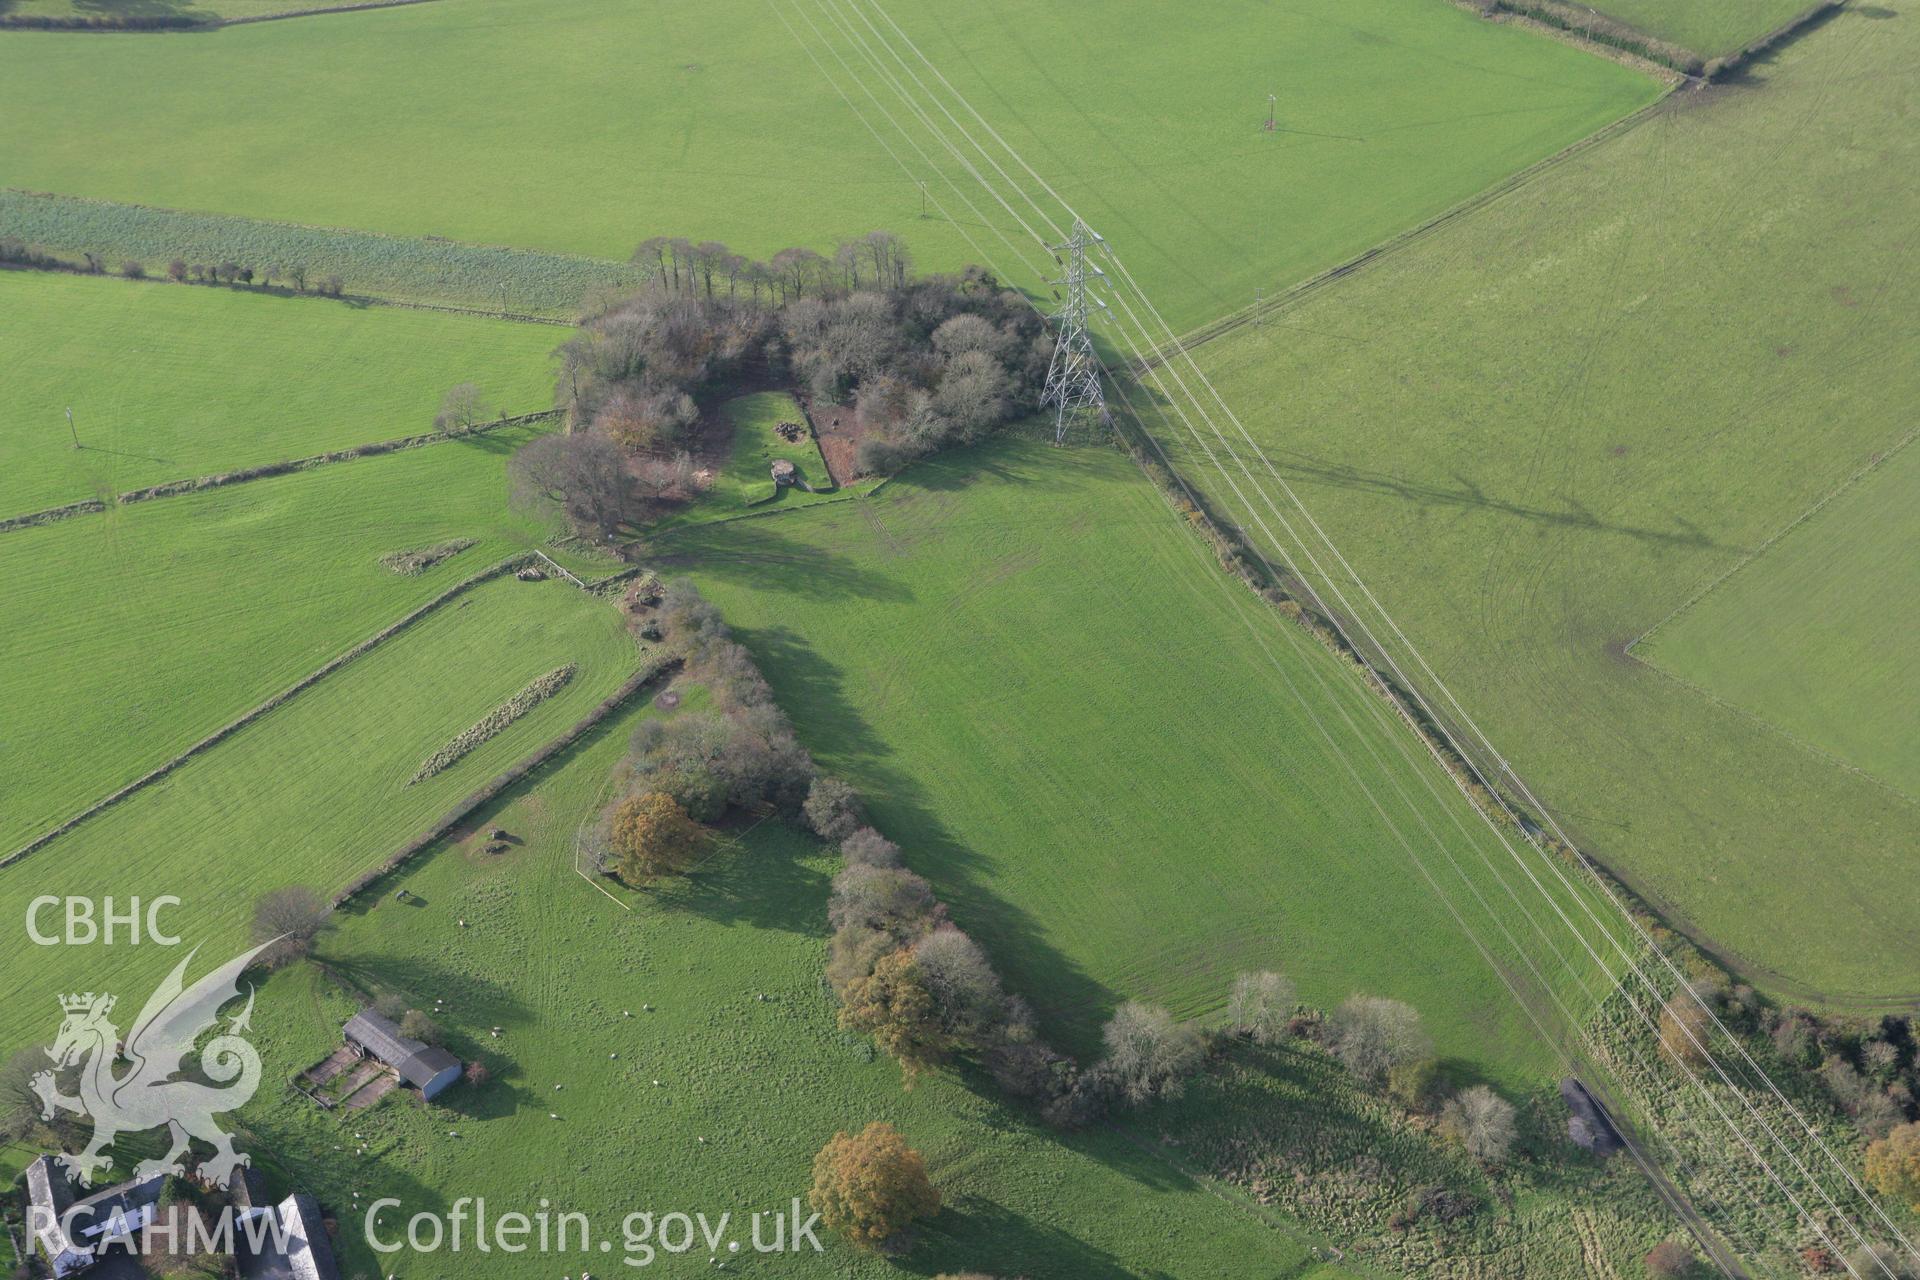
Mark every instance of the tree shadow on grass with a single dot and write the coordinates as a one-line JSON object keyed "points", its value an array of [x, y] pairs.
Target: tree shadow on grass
{"points": [[755, 554], [973, 1234], [474, 1001], [763, 886], [961, 468], [812, 691]]}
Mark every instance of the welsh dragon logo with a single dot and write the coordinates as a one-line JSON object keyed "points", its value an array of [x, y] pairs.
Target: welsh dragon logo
{"points": [[152, 1091]]}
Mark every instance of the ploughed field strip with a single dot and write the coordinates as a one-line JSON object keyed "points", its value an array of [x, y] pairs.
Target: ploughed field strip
{"points": [[170, 382], [1540, 430], [427, 269], [712, 123]]}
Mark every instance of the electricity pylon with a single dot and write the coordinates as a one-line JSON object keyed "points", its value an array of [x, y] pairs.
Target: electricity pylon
{"points": [[1073, 379]]}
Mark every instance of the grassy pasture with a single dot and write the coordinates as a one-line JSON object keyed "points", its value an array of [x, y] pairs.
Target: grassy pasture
{"points": [[1707, 27], [763, 1082], [1082, 738], [154, 624], [1541, 429], [419, 268], [168, 382], [1815, 635], [708, 120], [317, 790]]}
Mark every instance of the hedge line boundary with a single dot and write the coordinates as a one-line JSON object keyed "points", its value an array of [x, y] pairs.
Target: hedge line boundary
{"points": [[278, 700], [265, 471]]}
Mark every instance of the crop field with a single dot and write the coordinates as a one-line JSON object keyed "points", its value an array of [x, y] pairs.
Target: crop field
{"points": [[159, 622], [1707, 27], [201, 9], [170, 382], [1541, 429], [1840, 593], [418, 268], [317, 790], [1050, 702], [752, 1075], [708, 120]]}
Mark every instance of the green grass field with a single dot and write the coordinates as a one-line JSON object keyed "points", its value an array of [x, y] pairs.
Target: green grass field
{"points": [[747, 479], [159, 622], [1054, 702], [317, 790], [709, 120], [1813, 636], [1544, 427], [169, 382], [1707, 27], [763, 1082]]}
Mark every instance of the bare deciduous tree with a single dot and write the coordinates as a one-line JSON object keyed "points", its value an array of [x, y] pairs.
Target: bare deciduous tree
{"points": [[1149, 1055], [461, 410], [1260, 1006], [1481, 1121], [582, 477], [1372, 1035], [295, 915], [962, 982]]}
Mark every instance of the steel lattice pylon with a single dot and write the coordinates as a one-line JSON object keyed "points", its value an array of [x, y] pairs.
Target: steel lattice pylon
{"points": [[1073, 379]]}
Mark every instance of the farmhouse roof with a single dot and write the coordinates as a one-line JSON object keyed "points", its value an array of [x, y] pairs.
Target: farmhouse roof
{"points": [[417, 1062], [296, 1248], [98, 1217]]}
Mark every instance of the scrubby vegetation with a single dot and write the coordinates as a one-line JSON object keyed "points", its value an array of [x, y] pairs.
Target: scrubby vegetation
{"points": [[536, 692], [420, 559]]}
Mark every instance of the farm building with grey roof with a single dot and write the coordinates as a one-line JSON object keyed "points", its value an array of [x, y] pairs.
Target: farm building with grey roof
{"points": [[426, 1067]]}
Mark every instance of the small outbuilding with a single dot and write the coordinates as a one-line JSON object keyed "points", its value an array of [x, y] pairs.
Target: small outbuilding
{"points": [[784, 472], [1588, 1123], [428, 1068]]}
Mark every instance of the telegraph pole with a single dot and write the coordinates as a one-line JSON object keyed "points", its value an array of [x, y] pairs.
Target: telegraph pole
{"points": [[70, 427], [1073, 379], [1271, 101]]}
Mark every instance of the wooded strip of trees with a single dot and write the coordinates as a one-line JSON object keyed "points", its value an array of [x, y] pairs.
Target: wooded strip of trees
{"points": [[18, 253]]}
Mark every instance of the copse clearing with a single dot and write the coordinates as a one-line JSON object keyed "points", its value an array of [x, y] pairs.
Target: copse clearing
{"points": [[172, 382], [711, 119], [1546, 426], [1044, 690]]}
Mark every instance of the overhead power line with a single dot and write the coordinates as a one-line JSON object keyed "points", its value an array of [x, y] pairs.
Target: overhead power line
{"points": [[1188, 404]]}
